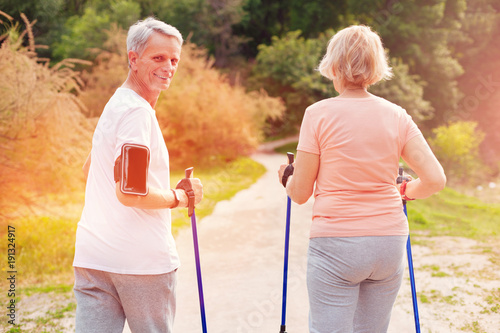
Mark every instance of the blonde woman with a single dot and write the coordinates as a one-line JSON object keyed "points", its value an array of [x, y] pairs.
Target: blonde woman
{"points": [[348, 156]]}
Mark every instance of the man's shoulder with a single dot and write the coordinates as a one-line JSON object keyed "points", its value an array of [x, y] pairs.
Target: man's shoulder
{"points": [[126, 100]]}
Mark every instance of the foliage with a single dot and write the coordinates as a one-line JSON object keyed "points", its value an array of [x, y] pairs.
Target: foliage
{"points": [[286, 68], [264, 19], [207, 23], [185, 15], [481, 62], [205, 120], [83, 33], [424, 34], [406, 90], [457, 148], [315, 16], [45, 12], [43, 134]]}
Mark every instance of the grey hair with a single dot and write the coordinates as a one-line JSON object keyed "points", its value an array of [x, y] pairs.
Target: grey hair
{"points": [[139, 33]]}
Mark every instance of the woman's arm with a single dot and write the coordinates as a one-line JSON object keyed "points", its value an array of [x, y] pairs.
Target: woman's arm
{"points": [[300, 186], [420, 158]]}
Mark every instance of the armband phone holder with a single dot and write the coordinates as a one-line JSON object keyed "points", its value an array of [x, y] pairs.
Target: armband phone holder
{"points": [[131, 169]]}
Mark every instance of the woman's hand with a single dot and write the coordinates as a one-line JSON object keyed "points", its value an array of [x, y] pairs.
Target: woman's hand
{"points": [[281, 171]]}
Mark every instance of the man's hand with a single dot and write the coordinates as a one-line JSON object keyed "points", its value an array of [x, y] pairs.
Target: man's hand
{"points": [[197, 187]]}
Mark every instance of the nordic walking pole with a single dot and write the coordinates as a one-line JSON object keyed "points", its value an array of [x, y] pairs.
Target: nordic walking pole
{"points": [[400, 179], [288, 172], [185, 185]]}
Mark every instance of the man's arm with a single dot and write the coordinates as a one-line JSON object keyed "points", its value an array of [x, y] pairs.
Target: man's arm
{"points": [[159, 198]]}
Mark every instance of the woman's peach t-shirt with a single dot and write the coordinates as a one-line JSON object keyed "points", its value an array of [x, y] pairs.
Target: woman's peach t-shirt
{"points": [[359, 143]]}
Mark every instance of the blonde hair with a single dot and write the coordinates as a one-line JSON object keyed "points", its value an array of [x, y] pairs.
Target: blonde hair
{"points": [[355, 56]]}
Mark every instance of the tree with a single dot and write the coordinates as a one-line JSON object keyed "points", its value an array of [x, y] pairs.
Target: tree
{"points": [[406, 90], [207, 23], [421, 33], [480, 57], [83, 33], [315, 16], [262, 20], [286, 68]]}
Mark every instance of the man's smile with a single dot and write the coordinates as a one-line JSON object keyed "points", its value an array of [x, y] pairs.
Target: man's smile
{"points": [[163, 77]]}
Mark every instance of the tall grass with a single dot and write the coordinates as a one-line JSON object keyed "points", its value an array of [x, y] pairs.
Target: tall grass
{"points": [[45, 240], [453, 214], [45, 137], [43, 134]]}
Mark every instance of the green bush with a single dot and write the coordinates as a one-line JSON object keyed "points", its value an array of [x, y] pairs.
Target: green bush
{"points": [[457, 148]]}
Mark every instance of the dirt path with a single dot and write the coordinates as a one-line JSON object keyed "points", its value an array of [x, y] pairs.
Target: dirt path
{"points": [[241, 246]]}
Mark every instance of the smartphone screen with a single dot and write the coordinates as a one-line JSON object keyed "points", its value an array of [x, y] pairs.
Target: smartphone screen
{"points": [[135, 162]]}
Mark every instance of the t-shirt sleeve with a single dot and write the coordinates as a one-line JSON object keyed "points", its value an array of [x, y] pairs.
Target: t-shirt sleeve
{"points": [[308, 139], [408, 129], [134, 127]]}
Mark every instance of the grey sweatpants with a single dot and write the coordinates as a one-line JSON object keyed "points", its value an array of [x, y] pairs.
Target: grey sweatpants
{"points": [[105, 299], [353, 282]]}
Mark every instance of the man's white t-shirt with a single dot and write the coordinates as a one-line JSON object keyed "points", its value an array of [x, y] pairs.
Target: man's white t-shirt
{"points": [[110, 236]]}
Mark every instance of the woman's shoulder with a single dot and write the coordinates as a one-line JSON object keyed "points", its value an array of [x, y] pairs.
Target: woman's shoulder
{"points": [[339, 103], [321, 104], [389, 104]]}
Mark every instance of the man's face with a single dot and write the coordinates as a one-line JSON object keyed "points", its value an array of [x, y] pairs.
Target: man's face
{"points": [[157, 64]]}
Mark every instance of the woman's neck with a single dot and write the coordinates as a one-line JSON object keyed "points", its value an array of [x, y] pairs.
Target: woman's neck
{"points": [[354, 92]]}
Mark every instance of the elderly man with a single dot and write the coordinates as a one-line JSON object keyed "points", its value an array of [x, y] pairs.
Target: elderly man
{"points": [[125, 255]]}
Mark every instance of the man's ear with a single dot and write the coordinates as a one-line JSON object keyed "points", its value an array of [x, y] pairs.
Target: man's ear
{"points": [[132, 59]]}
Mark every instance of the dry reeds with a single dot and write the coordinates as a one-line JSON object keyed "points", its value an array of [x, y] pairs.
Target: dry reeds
{"points": [[43, 134], [205, 120]]}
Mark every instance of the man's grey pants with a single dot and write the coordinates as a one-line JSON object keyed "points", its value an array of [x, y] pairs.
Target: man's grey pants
{"points": [[105, 300], [353, 282]]}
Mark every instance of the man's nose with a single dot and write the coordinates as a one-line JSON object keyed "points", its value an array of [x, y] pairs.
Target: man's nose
{"points": [[168, 66]]}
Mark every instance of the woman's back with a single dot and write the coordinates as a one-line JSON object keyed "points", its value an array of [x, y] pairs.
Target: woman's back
{"points": [[359, 141]]}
